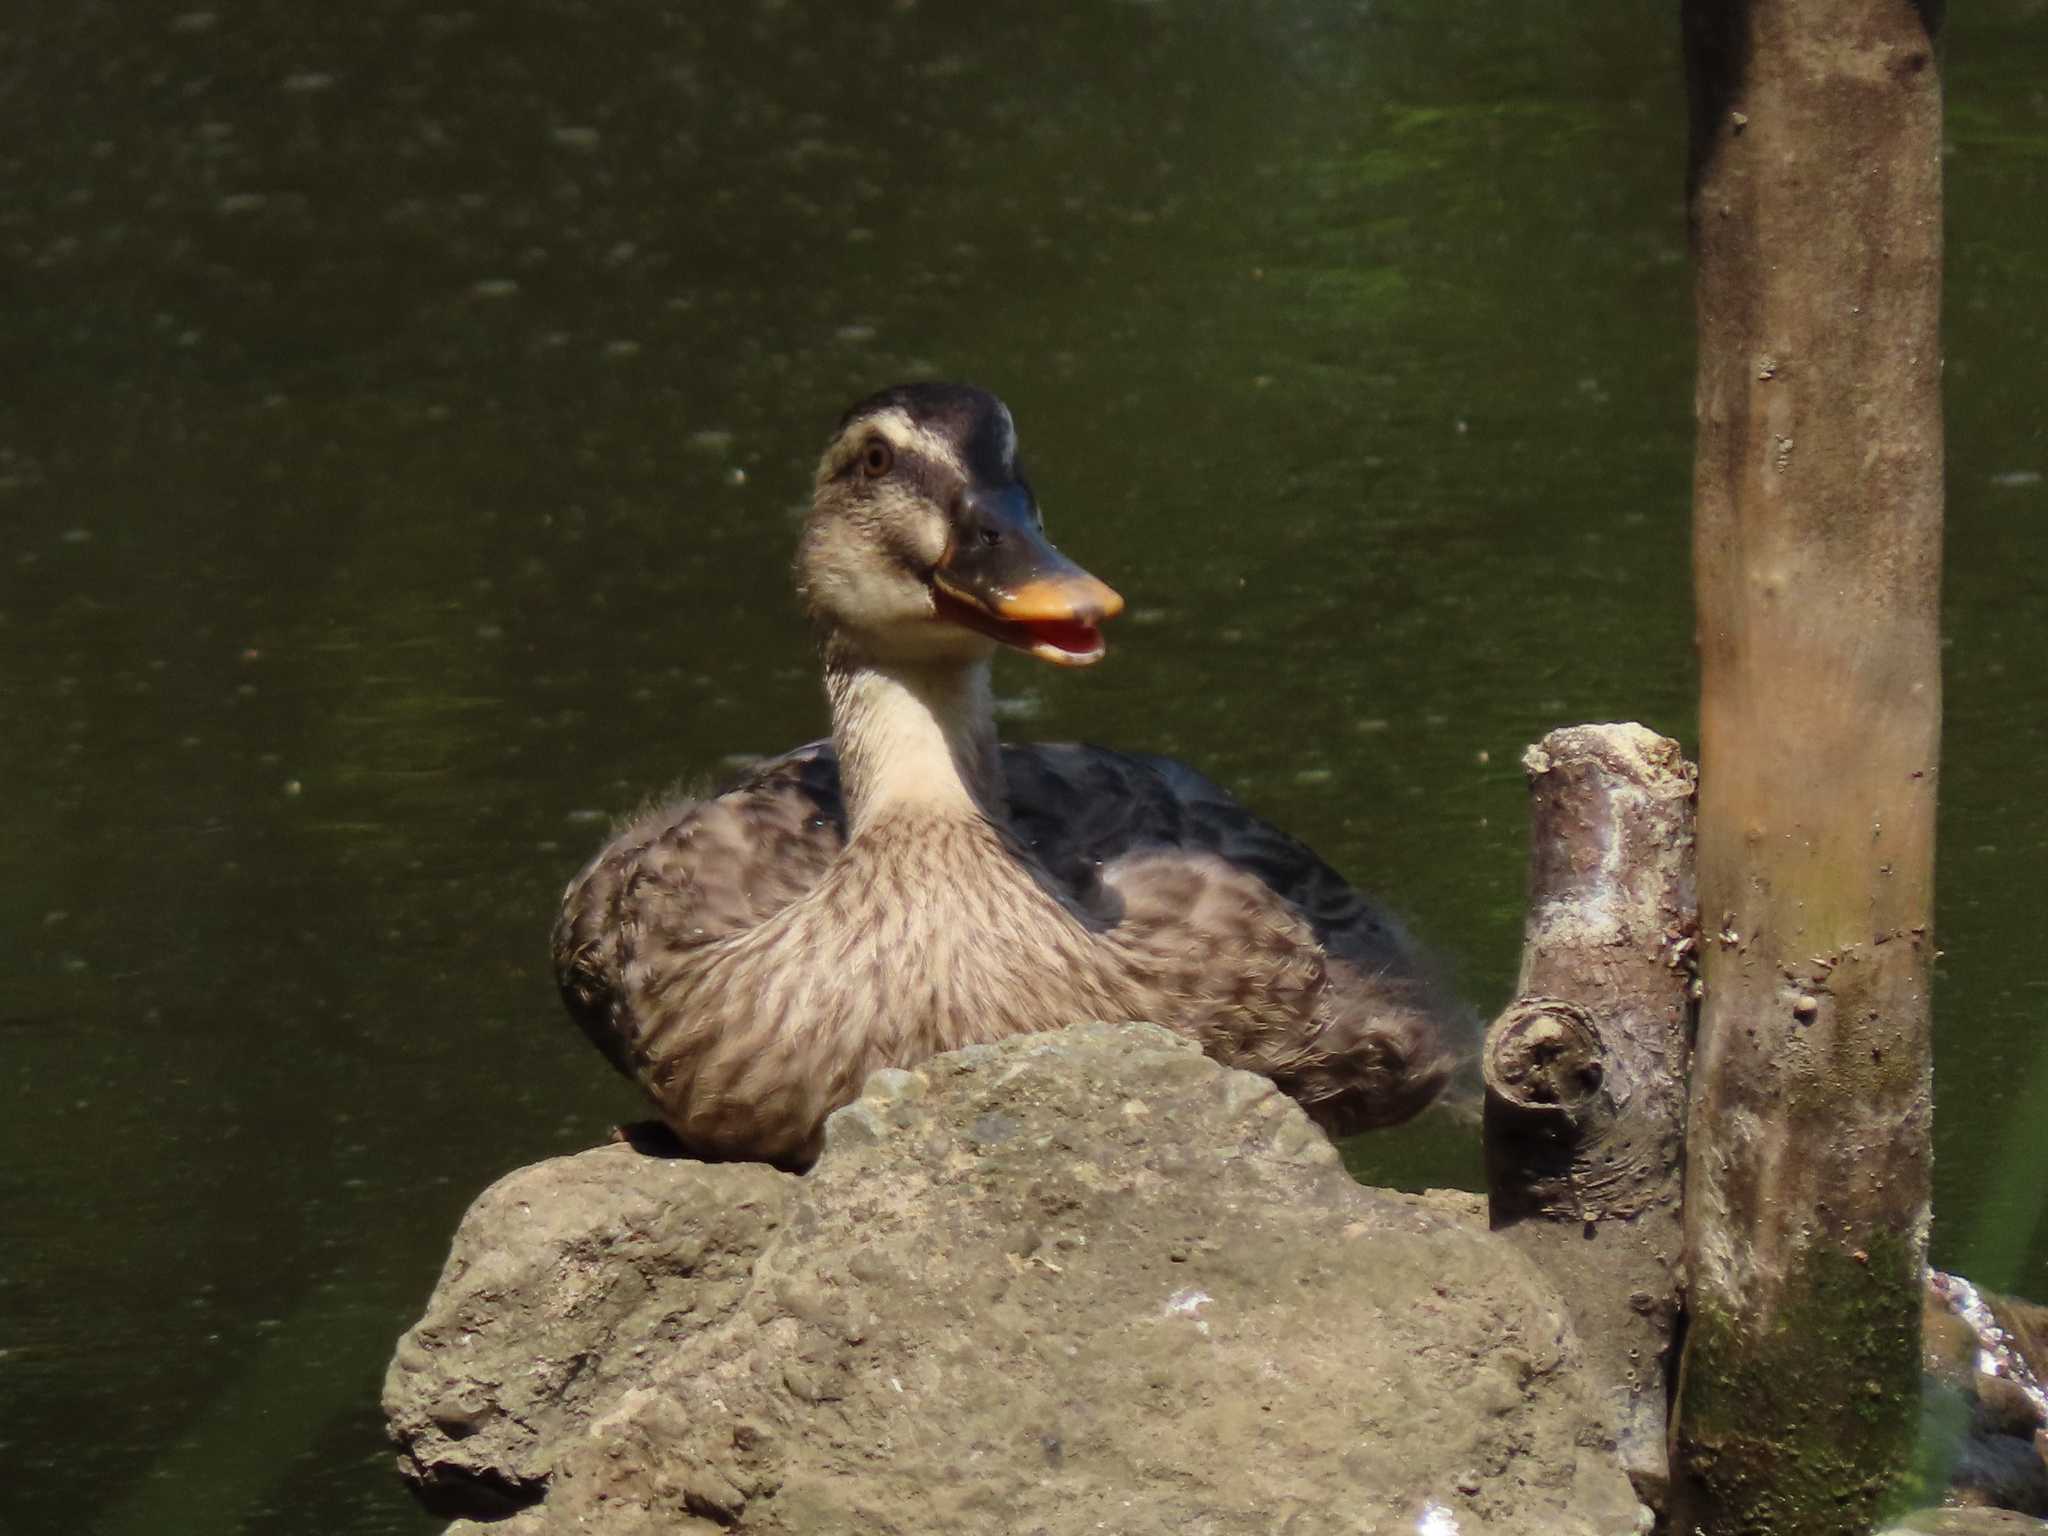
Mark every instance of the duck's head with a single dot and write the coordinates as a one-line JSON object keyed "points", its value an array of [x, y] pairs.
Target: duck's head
{"points": [[925, 545]]}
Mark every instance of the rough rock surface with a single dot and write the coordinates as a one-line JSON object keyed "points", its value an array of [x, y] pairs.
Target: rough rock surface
{"points": [[1997, 1444], [1078, 1282]]}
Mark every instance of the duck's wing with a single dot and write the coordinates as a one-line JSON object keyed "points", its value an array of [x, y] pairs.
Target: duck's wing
{"points": [[689, 872], [1274, 961], [1081, 808]]}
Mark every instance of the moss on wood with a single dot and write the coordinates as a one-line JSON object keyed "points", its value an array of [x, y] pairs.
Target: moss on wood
{"points": [[1781, 1440]]}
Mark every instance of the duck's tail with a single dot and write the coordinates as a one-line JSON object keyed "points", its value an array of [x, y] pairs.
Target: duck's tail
{"points": [[596, 926]]}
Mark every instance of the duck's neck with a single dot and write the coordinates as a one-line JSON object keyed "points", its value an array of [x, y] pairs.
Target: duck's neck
{"points": [[913, 738]]}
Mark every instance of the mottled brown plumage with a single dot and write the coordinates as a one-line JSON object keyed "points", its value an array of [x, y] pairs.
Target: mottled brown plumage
{"points": [[908, 888]]}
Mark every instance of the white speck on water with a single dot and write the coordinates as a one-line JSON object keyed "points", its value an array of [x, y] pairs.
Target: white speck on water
{"points": [[584, 815], [77, 536], [240, 202], [1314, 775], [1186, 1302], [2012, 479], [307, 81], [711, 440], [575, 136], [735, 476], [1018, 706], [494, 288], [621, 349], [855, 335], [1436, 1520]]}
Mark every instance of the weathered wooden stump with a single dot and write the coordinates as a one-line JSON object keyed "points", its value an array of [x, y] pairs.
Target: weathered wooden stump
{"points": [[1585, 1070]]}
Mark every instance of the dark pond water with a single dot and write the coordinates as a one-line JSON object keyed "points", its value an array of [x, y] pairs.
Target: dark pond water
{"points": [[404, 412]]}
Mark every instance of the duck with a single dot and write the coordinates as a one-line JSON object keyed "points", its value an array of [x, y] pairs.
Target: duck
{"points": [[911, 885]]}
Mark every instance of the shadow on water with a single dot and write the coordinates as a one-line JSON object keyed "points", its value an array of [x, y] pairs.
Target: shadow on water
{"points": [[410, 409]]}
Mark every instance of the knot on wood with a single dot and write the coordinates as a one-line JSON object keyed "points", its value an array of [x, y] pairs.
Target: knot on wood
{"points": [[1544, 1056]]}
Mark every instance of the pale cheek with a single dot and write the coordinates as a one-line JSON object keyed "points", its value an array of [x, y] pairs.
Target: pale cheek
{"points": [[872, 597], [919, 532]]}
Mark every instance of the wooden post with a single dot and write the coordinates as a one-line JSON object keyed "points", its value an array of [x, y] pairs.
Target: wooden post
{"points": [[1816, 224], [1585, 1071]]}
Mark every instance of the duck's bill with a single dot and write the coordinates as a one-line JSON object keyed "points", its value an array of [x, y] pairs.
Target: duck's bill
{"points": [[1054, 612], [1056, 622], [1020, 590]]}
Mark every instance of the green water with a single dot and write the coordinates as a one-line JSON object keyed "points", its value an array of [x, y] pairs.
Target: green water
{"points": [[404, 413]]}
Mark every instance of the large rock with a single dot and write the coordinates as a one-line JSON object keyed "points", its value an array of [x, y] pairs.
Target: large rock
{"points": [[1077, 1282]]}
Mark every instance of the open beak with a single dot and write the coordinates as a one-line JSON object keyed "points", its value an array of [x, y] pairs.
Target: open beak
{"points": [[1002, 577]]}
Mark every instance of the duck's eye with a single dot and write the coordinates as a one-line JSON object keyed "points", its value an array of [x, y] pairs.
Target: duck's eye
{"points": [[876, 458]]}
